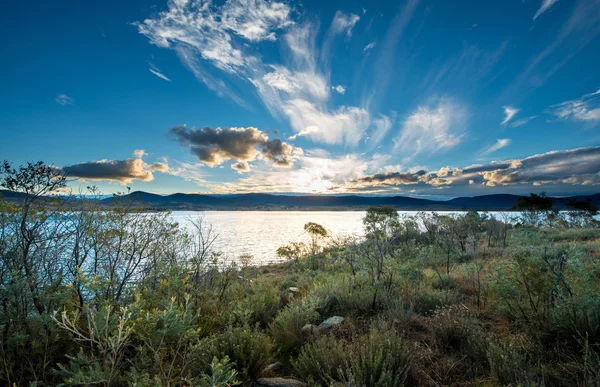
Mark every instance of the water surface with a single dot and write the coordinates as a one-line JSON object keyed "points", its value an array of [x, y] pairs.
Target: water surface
{"points": [[260, 233]]}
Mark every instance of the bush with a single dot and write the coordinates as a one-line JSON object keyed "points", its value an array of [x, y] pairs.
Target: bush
{"points": [[426, 301], [287, 326], [510, 366], [249, 350], [457, 333], [380, 358], [260, 305], [323, 361]]}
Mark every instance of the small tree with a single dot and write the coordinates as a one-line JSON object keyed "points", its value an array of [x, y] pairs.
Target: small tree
{"points": [[316, 232], [532, 208], [380, 225], [293, 251]]}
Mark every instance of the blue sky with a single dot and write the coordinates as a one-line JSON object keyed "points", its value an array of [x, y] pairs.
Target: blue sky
{"points": [[417, 97]]}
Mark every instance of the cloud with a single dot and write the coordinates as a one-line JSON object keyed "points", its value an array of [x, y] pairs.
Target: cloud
{"points": [[139, 153], [215, 146], [586, 108], [546, 5], [316, 172], [369, 46], [122, 171], [345, 125], [580, 166], [577, 31], [154, 70], [509, 113], [241, 167], [344, 23], [431, 128], [339, 88], [296, 86], [522, 121], [209, 29], [501, 143], [381, 127], [63, 99], [309, 130]]}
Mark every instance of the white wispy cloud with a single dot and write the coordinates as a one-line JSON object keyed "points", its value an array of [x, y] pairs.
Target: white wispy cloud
{"points": [[546, 5], [499, 144], [344, 23], [160, 75], [432, 127], [63, 99], [586, 108], [369, 46], [339, 88], [522, 121], [209, 37], [509, 113], [345, 125], [156, 71]]}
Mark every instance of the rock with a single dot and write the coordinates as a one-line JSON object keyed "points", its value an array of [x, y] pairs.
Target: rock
{"points": [[274, 367], [308, 332], [330, 323], [279, 382], [293, 291]]}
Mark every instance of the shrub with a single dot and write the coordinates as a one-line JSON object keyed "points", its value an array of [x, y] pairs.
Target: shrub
{"points": [[510, 366], [457, 333], [260, 305], [380, 358], [323, 361], [287, 326], [249, 350], [426, 301]]}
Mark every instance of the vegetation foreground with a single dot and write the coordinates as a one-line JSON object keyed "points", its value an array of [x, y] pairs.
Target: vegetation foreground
{"points": [[121, 297]]}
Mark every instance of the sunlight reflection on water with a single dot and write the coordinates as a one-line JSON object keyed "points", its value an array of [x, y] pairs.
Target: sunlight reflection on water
{"points": [[260, 233]]}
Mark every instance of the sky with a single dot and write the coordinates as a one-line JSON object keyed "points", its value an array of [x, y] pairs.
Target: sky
{"points": [[424, 98]]}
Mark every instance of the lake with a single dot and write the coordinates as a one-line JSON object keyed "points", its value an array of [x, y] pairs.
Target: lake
{"points": [[260, 233]]}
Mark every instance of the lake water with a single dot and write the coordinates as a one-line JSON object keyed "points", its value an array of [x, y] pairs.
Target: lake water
{"points": [[260, 233]]}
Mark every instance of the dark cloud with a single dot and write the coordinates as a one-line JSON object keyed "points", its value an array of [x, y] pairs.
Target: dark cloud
{"points": [[579, 166], [392, 178], [123, 171], [241, 167], [215, 146]]}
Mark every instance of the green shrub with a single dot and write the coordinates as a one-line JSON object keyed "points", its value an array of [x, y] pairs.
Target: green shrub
{"points": [[380, 358], [249, 350], [287, 326], [259, 306], [346, 296], [510, 366], [323, 361], [426, 300], [457, 333]]}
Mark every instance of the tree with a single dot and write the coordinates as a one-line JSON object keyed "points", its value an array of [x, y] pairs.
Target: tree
{"points": [[316, 232], [292, 251], [581, 213], [380, 223], [532, 207], [35, 181]]}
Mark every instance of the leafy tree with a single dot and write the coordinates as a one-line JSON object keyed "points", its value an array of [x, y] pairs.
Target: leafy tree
{"points": [[316, 232], [380, 225], [532, 207]]}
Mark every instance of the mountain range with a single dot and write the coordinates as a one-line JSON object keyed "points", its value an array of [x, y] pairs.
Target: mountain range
{"points": [[261, 201]]}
